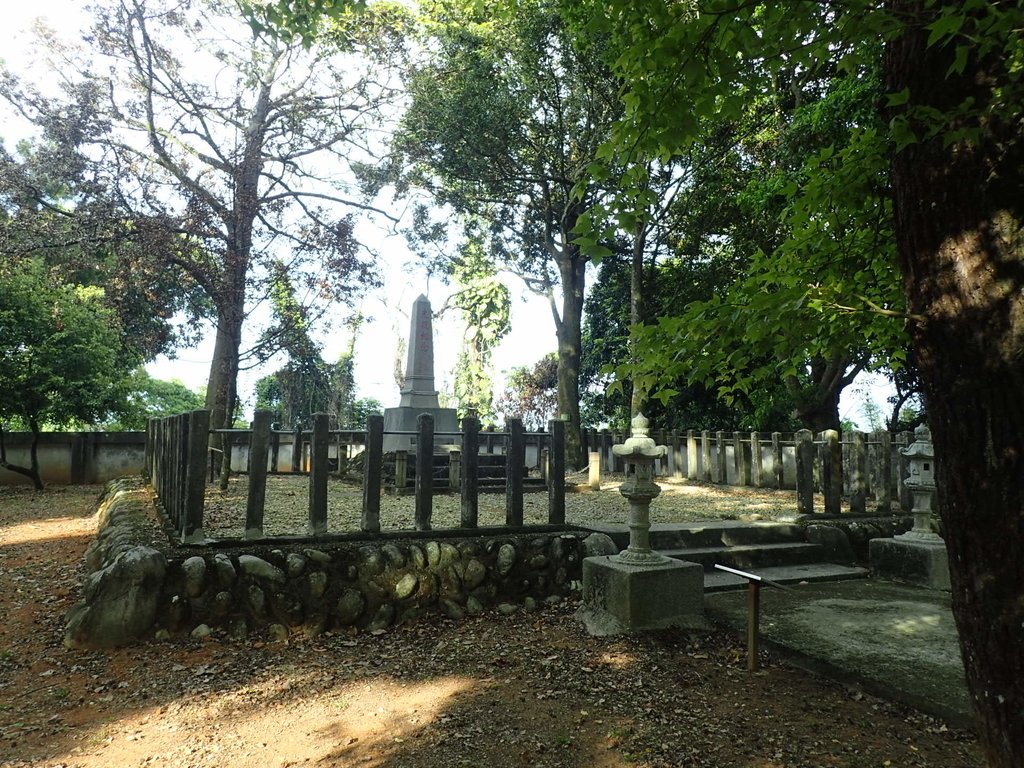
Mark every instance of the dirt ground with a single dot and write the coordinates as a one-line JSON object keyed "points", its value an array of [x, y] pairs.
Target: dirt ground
{"points": [[520, 690]]}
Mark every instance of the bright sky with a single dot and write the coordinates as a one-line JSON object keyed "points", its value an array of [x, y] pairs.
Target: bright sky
{"points": [[387, 310]]}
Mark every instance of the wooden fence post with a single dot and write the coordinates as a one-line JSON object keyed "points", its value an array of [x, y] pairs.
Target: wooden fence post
{"points": [[401, 470], [197, 424], [756, 465], [742, 459], [470, 484], [373, 465], [297, 450], [259, 444], [319, 466], [883, 487], [778, 465], [594, 471], [515, 460], [858, 473], [424, 471], [804, 472], [691, 455], [832, 472], [556, 479], [705, 455], [722, 474]]}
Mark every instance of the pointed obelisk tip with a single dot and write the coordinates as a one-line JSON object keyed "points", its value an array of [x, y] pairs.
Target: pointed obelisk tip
{"points": [[422, 298]]}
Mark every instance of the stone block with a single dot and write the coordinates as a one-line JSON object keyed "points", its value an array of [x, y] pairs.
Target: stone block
{"points": [[915, 562], [621, 599]]}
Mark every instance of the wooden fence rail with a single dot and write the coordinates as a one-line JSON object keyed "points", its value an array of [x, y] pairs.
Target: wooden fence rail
{"points": [[176, 456], [860, 466]]}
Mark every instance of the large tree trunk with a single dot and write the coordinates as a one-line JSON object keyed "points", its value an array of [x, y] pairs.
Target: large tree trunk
{"points": [[960, 229], [222, 387], [569, 329], [817, 406]]}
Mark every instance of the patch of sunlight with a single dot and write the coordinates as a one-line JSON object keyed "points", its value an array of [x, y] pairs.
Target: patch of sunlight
{"points": [[617, 659], [46, 530], [915, 625], [380, 716]]}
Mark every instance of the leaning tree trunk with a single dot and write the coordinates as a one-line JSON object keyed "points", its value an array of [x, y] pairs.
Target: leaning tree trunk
{"points": [[222, 388], [960, 229]]}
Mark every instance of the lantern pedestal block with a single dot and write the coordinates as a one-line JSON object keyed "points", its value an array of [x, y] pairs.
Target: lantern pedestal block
{"points": [[917, 561], [620, 598]]}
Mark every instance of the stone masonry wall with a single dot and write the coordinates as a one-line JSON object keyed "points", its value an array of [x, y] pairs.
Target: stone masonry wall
{"points": [[142, 587]]}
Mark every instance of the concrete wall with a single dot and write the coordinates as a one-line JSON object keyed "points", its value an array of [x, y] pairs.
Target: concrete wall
{"points": [[72, 458]]}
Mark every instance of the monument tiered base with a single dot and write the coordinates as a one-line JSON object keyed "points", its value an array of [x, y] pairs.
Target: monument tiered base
{"points": [[914, 561], [403, 419], [621, 599]]}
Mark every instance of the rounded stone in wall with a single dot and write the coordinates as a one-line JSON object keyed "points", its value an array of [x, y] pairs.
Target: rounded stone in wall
{"points": [[473, 606], [257, 600], [225, 570], [375, 593], [506, 559], [406, 586], [475, 574], [295, 564], [259, 568], [221, 604], [350, 607], [317, 556], [417, 556], [599, 544], [450, 585], [449, 555], [452, 610], [383, 618], [194, 573], [373, 562], [317, 584], [394, 556], [539, 562], [433, 551]]}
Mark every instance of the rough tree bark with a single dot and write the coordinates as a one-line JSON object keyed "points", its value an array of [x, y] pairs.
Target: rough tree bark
{"points": [[569, 330], [960, 228]]}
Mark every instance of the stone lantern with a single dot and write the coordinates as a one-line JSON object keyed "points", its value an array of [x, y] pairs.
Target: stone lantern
{"points": [[919, 555], [638, 454], [638, 589], [921, 484]]}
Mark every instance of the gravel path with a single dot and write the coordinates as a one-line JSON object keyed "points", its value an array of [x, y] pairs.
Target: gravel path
{"points": [[680, 501]]}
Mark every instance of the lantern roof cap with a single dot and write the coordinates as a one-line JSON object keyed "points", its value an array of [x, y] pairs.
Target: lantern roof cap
{"points": [[639, 444]]}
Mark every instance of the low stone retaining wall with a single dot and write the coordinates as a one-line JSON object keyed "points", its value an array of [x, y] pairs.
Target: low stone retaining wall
{"points": [[140, 586]]}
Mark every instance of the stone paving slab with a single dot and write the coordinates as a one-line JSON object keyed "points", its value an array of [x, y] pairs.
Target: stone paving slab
{"points": [[893, 640]]}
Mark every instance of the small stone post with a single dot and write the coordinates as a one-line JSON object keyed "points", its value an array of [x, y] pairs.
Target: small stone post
{"points": [[401, 470], [469, 483], [859, 474], [722, 471], [424, 489], [319, 466], [778, 466], [705, 455], [372, 470], [256, 499], [832, 472], [756, 464], [691, 455], [805, 472], [594, 470]]}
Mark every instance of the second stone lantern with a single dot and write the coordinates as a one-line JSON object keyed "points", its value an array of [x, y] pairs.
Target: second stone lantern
{"points": [[639, 589]]}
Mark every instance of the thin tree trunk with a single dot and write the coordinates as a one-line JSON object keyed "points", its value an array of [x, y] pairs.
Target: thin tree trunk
{"points": [[960, 231], [569, 330], [31, 471]]}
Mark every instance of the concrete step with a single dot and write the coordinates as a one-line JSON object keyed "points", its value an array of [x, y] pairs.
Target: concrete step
{"points": [[747, 556], [720, 581]]}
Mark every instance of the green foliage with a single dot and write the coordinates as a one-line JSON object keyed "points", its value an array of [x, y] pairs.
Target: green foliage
{"points": [[150, 398], [485, 304], [61, 358], [531, 393]]}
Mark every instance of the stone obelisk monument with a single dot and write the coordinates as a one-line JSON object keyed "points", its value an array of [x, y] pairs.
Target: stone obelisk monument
{"points": [[418, 393]]}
